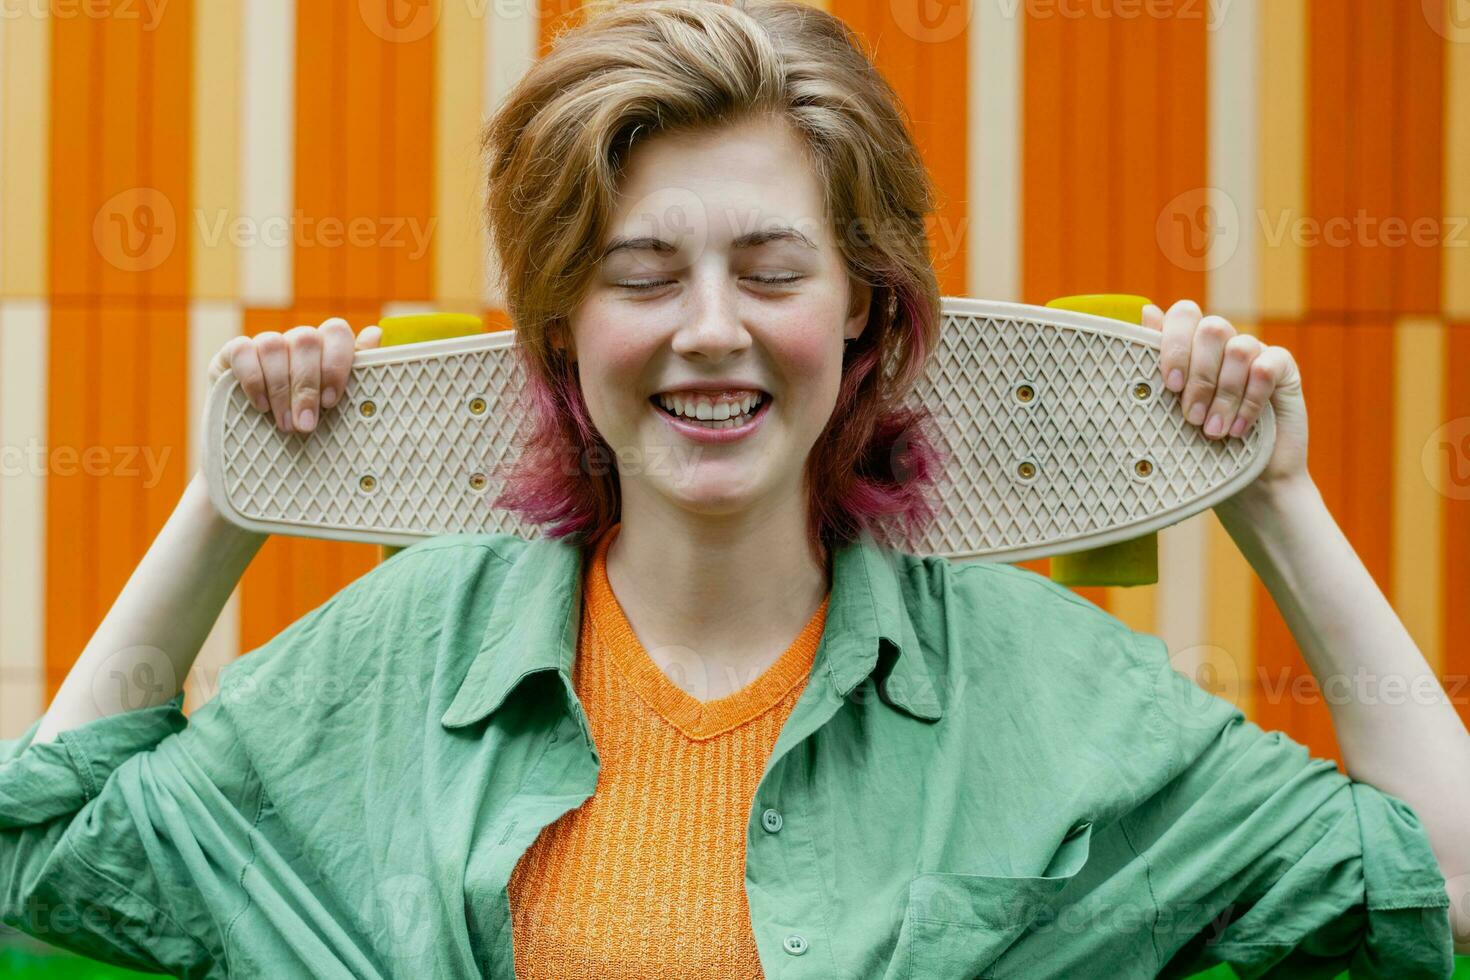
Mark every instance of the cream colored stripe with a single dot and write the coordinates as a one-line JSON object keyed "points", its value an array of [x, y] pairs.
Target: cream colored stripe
{"points": [[1281, 158], [268, 97], [24, 345], [458, 241], [511, 40], [216, 164], [25, 122], [211, 324], [1420, 402], [1456, 250], [994, 234], [1179, 618], [1234, 127]]}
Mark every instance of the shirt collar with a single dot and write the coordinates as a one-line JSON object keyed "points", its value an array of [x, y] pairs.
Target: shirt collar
{"points": [[865, 613]]}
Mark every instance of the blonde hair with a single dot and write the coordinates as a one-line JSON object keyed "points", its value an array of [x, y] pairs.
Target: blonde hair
{"points": [[555, 151]]}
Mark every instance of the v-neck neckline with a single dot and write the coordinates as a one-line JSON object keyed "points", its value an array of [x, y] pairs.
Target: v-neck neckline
{"points": [[697, 719]]}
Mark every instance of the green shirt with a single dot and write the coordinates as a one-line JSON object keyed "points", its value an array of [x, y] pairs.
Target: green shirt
{"points": [[985, 775]]}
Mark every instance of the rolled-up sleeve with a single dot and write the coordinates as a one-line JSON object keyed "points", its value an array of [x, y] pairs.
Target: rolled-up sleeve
{"points": [[1263, 857], [128, 839], [122, 840]]}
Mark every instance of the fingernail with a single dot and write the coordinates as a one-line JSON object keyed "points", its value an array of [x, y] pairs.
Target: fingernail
{"points": [[262, 404], [1176, 380], [1197, 413], [1214, 426], [1238, 427], [307, 419], [329, 398]]}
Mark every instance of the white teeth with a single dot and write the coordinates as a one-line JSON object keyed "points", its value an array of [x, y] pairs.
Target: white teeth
{"points": [[722, 415]]}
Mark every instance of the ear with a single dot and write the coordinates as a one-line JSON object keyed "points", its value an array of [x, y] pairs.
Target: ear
{"points": [[857, 308]]}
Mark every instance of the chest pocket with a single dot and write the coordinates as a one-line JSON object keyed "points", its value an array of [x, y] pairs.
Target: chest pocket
{"points": [[957, 925]]}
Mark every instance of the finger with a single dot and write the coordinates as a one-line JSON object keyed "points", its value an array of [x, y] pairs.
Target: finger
{"points": [[370, 337], [1153, 317], [1174, 349], [304, 345], [220, 363], [1205, 354], [337, 343], [1240, 351], [244, 364], [276, 367], [1265, 370]]}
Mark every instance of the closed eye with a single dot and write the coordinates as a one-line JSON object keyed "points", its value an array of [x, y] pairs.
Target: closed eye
{"points": [[764, 280]]}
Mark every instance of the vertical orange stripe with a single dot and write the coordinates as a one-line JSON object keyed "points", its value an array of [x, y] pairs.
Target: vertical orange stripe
{"points": [[71, 591], [942, 118], [1185, 123], [1419, 181], [1374, 146], [363, 97], [1139, 154], [129, 228], [75, 137], [320, 153], [120, 332], [408, 178], [167, 152], [1044, 211], [1088, 228], [164, 351], [1331, 85]]}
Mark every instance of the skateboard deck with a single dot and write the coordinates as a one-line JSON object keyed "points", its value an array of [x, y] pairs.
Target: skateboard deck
{"points": [[1058, 433]]}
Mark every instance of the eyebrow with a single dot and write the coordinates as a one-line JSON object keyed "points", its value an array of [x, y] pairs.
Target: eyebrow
{"points": [[754, 239]]}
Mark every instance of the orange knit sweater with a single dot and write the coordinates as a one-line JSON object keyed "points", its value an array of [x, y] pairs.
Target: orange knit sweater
{"points": [[647, 877]]}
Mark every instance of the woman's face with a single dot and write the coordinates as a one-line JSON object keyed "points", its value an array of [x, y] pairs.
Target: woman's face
{"points": [[720, 292]]}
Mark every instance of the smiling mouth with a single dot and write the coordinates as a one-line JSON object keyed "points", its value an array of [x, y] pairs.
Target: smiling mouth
{"points": [[714, 424]]}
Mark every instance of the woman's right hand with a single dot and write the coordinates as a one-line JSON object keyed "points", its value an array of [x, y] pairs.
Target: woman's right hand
{"points": [[296, 374]]}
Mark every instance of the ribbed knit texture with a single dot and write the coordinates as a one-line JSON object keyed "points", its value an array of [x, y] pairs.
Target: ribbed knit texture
{"points": [[647, 877]]}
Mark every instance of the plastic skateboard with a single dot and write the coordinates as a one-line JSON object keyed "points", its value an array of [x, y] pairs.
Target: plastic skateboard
{"points": [[1061, 441]]}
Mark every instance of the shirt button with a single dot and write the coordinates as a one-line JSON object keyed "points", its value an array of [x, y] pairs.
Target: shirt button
{"points": [[795, 944], [771, 820]]}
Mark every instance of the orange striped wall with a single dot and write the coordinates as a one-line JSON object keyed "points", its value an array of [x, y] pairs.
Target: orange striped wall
{"points": [[1123, 129]]}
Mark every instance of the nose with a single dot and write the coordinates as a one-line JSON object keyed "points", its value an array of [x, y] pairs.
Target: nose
{"points": [[711, 326]]}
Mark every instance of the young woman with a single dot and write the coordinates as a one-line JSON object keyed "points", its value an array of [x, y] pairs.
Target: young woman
{"points": [[707, 724]]}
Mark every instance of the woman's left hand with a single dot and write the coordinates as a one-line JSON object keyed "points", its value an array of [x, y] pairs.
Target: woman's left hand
{"points": [[1227, 377]]}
